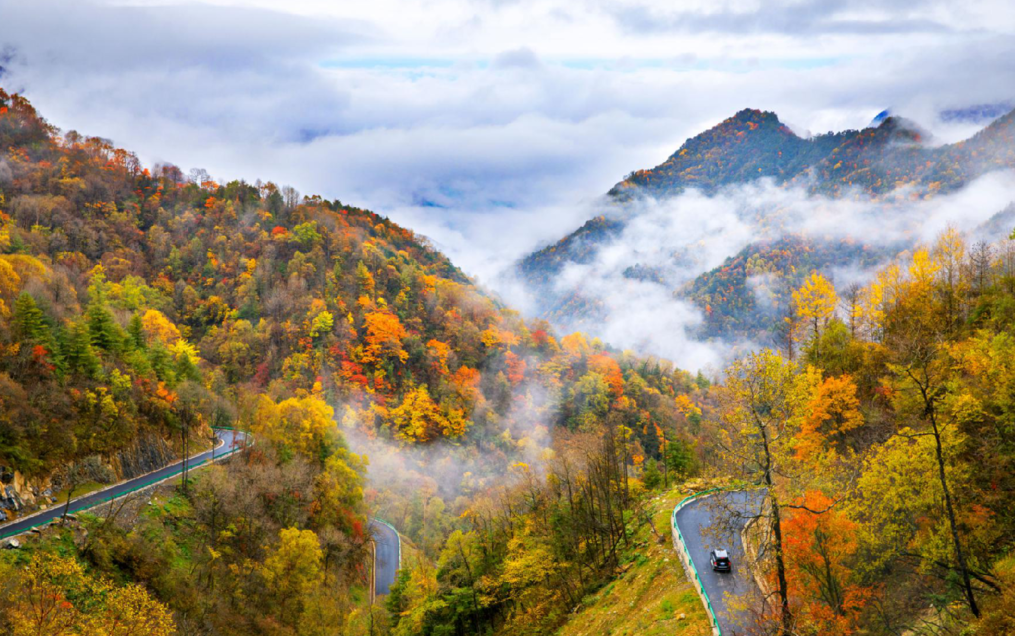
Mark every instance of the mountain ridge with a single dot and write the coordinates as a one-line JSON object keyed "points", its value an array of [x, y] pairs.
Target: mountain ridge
{"points": [[892, 160]]}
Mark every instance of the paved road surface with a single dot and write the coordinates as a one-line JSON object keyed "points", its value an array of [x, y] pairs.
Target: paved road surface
{"points": [[693, 520], [229, 442], [387, 556]]}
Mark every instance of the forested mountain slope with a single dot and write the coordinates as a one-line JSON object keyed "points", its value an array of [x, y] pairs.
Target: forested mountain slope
{"points": [[136, 302], [880, 437], [887, 459]]}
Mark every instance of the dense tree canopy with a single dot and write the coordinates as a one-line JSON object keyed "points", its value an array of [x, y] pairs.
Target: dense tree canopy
{"points": [[137, 301]]}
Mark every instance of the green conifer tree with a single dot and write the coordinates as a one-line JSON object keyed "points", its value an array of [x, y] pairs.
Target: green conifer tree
{"points": [[102, 328], [135, 332], [29, 322], [79, 355], [652, 477]]}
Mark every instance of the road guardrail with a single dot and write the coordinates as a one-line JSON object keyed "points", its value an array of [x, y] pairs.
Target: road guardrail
{"points": [[685, 556], [73, 509]]}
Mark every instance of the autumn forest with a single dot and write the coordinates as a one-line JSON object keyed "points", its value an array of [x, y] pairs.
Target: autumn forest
{"points": [[531, 473]]}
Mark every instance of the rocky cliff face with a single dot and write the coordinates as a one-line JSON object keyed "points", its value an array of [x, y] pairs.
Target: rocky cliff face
{"points": [[10, 501], [20, 496], [143, 456]]}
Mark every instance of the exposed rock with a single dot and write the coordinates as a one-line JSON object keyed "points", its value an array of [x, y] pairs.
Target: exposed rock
{"points": [[10, 500], [91, 468], [19, 494], [146, 454]]}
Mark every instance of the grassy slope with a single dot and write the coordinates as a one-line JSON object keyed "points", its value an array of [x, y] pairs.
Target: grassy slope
{"points": [[652, 595]]}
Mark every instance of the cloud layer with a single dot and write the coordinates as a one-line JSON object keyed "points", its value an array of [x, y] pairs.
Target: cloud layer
{"points": [[680, 238], [489, 125]]}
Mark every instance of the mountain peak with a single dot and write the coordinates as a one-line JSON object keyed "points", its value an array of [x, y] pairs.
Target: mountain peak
{"points": [[749, 145], [754, 114], [903, 130]]}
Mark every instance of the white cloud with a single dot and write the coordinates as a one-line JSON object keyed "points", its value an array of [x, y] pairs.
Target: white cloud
{"points": [[682, 237], [490, 125]]}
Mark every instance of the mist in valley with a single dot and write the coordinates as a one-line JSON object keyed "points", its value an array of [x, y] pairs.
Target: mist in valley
{"points": [[637, 282]]}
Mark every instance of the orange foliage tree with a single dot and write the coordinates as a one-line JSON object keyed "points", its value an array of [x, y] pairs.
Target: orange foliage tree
{"points": [[384, 337], [831, 410], [819, 549], [607, 367]]}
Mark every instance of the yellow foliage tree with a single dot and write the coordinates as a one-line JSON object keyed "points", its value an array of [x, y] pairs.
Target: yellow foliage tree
{"points": [[686, 406], [494, 338], [528, 564], [302, 425], [814, 302], [292, 573], [575, 344], [950, 255], [10, 285], [27, 266], [131, 611], [755, 408], [53, 595], [923, 271], [158, 327], [339, 487], [419, 419], [322, 324]]}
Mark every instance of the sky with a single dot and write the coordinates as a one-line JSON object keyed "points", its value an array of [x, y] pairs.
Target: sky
{"points": [[490, 126]]}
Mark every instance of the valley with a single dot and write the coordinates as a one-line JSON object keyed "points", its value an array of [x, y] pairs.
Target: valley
{"points": [[429, 460]]}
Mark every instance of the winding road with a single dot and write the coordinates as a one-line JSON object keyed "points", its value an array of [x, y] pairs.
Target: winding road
{"points": [[388, 552], [229, 442], [695, 520], [387, 556]]}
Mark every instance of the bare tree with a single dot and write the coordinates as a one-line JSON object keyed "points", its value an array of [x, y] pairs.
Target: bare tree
{"points": [[291, 197], [76, 475], [199, 176], [1006, 264], [850, 301], [980, 259]]}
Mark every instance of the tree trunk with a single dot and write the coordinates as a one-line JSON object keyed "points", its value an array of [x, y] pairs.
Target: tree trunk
{"points": [[70, 493], [780, 562], [472, 587], [186, 455], [666, 462], [780, 568], [960, 557]]}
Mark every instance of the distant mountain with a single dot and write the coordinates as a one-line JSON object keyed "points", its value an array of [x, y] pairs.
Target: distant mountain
{"points": [[889, 160], [1001, 224], [750, 145], [747, 293], [976, 114]]}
